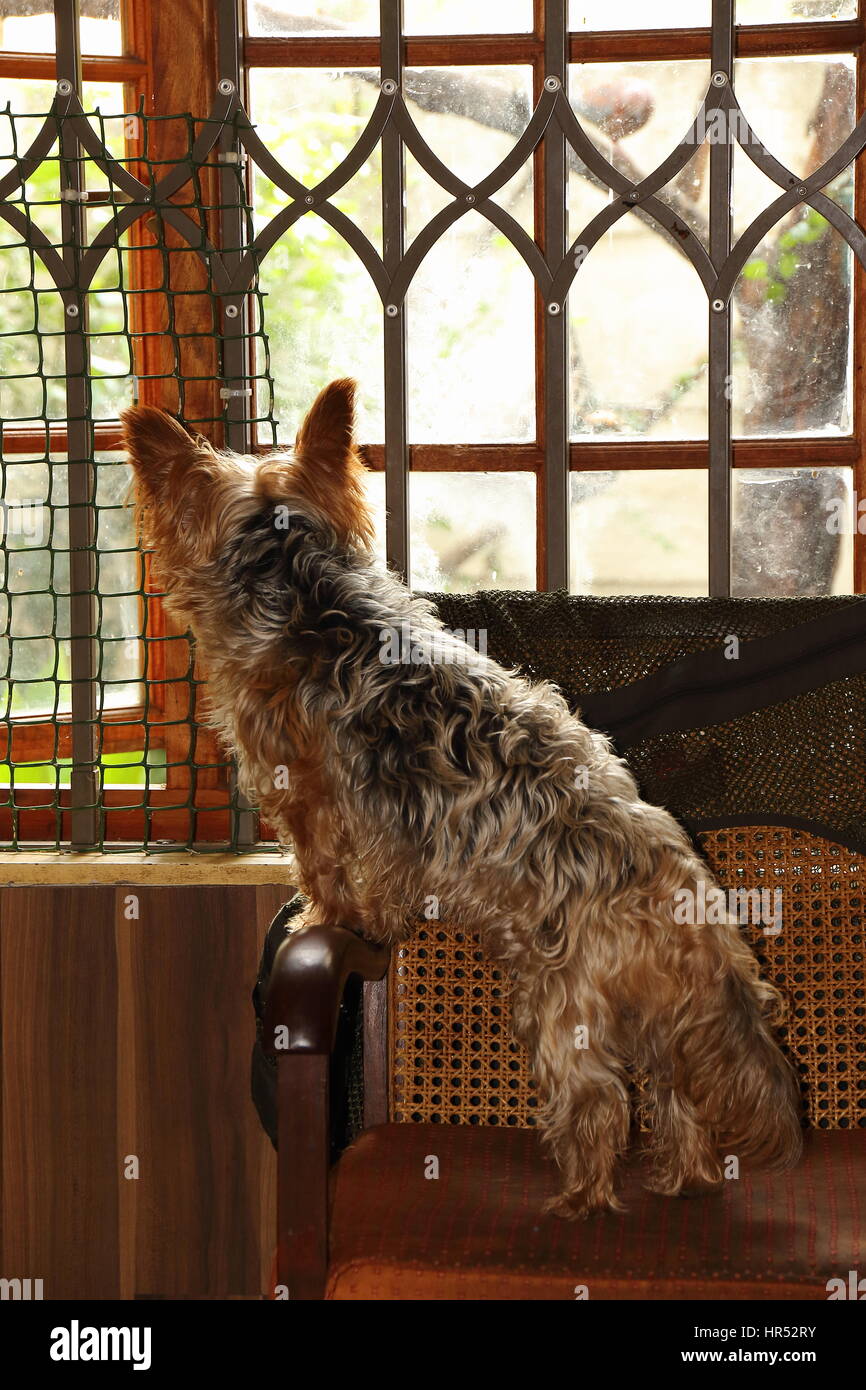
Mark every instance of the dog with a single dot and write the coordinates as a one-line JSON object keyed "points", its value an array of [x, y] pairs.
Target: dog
{"points": [[450, 776]]}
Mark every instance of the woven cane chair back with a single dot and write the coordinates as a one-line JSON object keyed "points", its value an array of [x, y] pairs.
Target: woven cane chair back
{"points": [[452, 1057]]}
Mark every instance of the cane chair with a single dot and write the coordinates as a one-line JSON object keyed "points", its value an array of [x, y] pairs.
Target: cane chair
{"points": [[441, 1193]]}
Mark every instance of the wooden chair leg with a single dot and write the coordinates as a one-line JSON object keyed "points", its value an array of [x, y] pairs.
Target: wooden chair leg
{"points": [[302, 1175]]}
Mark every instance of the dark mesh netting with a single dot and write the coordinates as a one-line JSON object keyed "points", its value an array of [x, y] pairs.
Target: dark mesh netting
{"points": [[727, 710]]}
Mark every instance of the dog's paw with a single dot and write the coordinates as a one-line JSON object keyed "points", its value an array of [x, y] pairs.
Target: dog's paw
{"points": [[665, 1186], [576, 1206]]}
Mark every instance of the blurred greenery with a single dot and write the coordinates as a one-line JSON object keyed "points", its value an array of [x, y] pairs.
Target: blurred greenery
{"points": [[136, 769]]}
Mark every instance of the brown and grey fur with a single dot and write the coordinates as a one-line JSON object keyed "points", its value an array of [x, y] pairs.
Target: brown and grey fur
{"points": [[459, 780]]}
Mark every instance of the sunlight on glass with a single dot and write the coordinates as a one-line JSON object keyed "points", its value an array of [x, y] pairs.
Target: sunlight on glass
{"points": [[638, 14], [101, 31], [323, 315], [119, 568], [472, 292], [458, 17], [637, 113], [472, 531], [313, 17], [467, 531], [34, 650], [639, 532], [637, 340], [26, 32], [471, 118], [471, 349]]}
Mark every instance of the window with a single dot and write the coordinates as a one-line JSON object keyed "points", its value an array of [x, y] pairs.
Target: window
{"points": [[601, 414], [100, 741], [562, 384]]}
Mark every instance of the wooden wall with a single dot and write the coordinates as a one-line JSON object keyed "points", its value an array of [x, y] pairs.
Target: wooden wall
{"points": [[132, 1037]]}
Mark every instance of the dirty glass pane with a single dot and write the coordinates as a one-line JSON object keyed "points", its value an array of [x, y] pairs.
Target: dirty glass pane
{"points": [[22, 31], [472, 531], [467, 531], [637, 309], [277, 17], [323, 315], [473, 292], [100, 29], [638, 112], [458, 17], [783, 11], [801, 109], [639, 532], [471, 118], [792, 344], [34, 623], [793, 532], [638, 14]]}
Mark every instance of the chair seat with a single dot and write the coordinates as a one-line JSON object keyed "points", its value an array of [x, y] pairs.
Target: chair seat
{"points": [[476, 1231]]}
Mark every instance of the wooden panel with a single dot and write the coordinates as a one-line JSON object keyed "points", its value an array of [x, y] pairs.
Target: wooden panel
{"points": [[860, 345], [198, 1219], [269, 900], [58, 990], [125, 1036]]}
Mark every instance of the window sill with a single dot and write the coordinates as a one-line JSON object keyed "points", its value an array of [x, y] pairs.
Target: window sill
{"points": [[176, 870]]}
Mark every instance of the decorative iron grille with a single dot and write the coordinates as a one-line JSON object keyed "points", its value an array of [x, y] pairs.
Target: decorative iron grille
{"points": [[198, 203]]}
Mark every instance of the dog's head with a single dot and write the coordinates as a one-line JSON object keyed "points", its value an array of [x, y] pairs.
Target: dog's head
{"points": [[197, 505]]}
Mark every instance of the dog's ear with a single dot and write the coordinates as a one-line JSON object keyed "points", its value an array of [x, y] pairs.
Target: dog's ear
{"points": [[327, 469], [328, 432], [154, 441]]}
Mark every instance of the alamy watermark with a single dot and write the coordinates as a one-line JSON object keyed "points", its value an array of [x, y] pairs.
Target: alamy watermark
{"points": [[24, 518], [712, 906], [720, 127], [21, 1290], [404, 645], [846, 516]]}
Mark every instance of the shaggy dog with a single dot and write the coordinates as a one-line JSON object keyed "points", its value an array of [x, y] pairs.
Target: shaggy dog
{"points": [[445, 775]]}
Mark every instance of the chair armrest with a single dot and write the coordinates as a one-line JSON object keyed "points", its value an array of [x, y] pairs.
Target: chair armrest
{"points": [[306, 986]]}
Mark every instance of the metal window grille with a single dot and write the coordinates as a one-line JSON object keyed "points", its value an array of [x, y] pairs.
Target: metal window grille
{"points": [[62, 787]]}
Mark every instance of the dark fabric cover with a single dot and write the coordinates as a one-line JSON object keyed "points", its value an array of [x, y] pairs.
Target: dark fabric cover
{"points": [[775, 734], [476, 1231]]}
